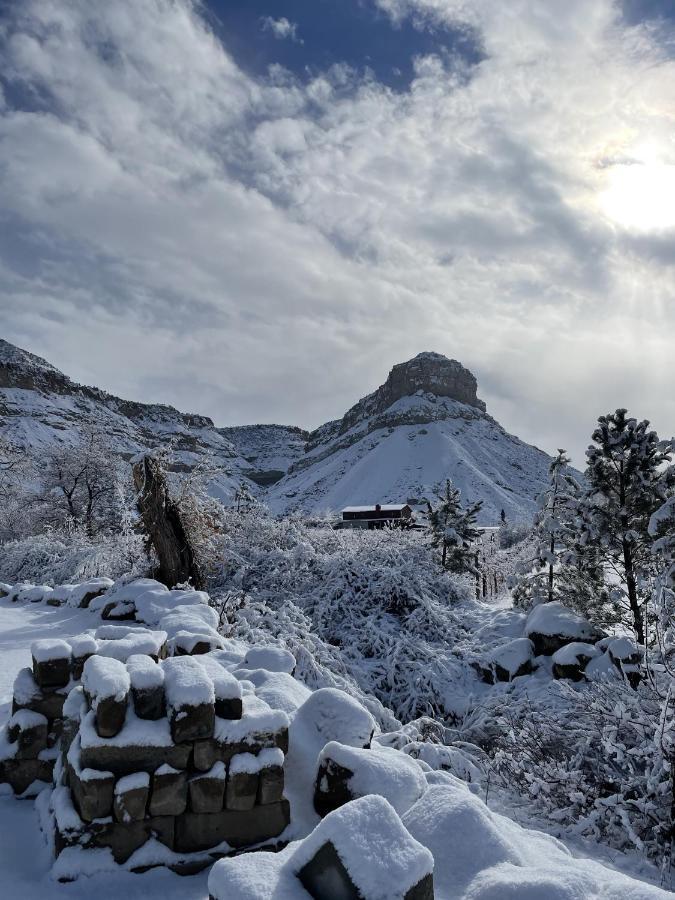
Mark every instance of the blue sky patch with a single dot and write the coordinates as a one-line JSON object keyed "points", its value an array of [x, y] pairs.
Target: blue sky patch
{"points": [[310, 36]]}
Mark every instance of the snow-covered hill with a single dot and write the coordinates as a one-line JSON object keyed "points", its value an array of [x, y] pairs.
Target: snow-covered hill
{"points": [[41, 408], [423, 425]]}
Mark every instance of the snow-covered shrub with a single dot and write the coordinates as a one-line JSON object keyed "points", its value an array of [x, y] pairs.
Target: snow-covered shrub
{"points": [[589, 758], [370, 609], [58, 556]]}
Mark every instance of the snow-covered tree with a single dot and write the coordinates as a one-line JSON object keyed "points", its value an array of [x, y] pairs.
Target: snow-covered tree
{"points": [[628, 479], [453, 529], [83, 484], [662, 530], [552, 530]]}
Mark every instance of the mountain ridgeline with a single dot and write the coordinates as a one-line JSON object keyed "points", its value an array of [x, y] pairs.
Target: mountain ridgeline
{"points": [[397, 444]]}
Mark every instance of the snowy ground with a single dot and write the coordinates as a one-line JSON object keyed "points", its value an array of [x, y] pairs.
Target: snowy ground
{"points": [[24, 859]]}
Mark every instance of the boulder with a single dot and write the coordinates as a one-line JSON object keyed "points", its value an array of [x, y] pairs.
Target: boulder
{"points": [[551, 626], [29, 695], [571, 660]]}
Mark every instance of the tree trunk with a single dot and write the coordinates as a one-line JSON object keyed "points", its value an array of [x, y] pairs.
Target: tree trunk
{"points": [[631, 586], [550, 571], [163, 522]]}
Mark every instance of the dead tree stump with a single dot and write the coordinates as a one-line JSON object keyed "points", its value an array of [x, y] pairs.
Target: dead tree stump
{"points": [[165, 527]]}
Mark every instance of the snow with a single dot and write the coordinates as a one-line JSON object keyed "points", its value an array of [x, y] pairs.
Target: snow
{"points": [[104, 677], [133, 643], [480, 855], [382, 771], [153, 604], [257, 719], [274, 659], [133, 782], [512, 655], [48, 649], [333, 715], [251, 764], [406, 452], [26, 718], [278, 689], [622, 648], [573, 653], [218, 770], [554, 618], [225, 685], [79, 591], [35, 594], [383, 860], [187, 683], [25, 687], [144, 672], [82, 644], [135, 733]]}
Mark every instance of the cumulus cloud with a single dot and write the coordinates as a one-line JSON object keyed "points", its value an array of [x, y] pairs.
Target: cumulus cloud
{"points": [[265, 250]]}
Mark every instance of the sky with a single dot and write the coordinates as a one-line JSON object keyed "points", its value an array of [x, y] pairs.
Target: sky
{"points": [[252, 209]]}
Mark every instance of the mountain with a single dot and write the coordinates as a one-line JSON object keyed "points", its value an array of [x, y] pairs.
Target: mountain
{"points": [[270, 450], [41, 408], [424, 424]]}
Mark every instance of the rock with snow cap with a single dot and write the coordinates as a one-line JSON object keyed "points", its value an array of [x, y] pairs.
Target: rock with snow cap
{"points": [[551, 625], [363, 850], [29, 731], [207, 790], [190, 699], [571, 660], [106, 683], [169, 795], [131, 797], [51, 662]]}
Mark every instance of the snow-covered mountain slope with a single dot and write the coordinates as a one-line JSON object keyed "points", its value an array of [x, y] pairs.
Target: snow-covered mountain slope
{"points": [[423, 425], [270, 450], [41, 409]]}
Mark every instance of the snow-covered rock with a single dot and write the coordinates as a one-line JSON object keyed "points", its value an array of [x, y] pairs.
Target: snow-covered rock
{"points": [[551, 625]]}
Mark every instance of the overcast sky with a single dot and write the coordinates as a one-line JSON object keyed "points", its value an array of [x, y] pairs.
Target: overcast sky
{"points": [[253, 209]]}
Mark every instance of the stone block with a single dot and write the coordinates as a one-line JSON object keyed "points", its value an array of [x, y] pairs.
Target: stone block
{"points": [[29, 695], [52, 673], [118, 612], [29, 731], [92, 796], [325, 877], [21, 773], [242, 790], [124, 839], [78, 665], [195, 832], [135, 758], [132, 793], [229, 707], [207, 791], [149, 703], [332, 787], [206, 753], [110, 716], [169, 794], [192, 723], [270, 785]]}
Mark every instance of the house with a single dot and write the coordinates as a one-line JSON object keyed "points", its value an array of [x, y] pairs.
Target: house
{"points": [[377, 516]]}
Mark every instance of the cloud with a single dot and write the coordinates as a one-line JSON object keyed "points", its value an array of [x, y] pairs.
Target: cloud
{"points": [[264, 250], [281, 28]]}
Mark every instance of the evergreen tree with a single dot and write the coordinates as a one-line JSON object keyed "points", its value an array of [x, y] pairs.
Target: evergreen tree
{"points": [[662, 529], [453, 529], [628, 480], [552, 533]]}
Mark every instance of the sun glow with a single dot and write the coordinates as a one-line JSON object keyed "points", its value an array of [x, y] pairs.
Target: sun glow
{"points": [[639, 192]]}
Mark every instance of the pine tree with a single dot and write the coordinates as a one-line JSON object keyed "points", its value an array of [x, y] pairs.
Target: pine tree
{"points": [[628, 480], [552, 530], [453, 529], [662, 529]]}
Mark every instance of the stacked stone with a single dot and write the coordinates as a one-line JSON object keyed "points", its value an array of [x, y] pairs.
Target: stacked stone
{"points": [[168, 750], [28, 741]]}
